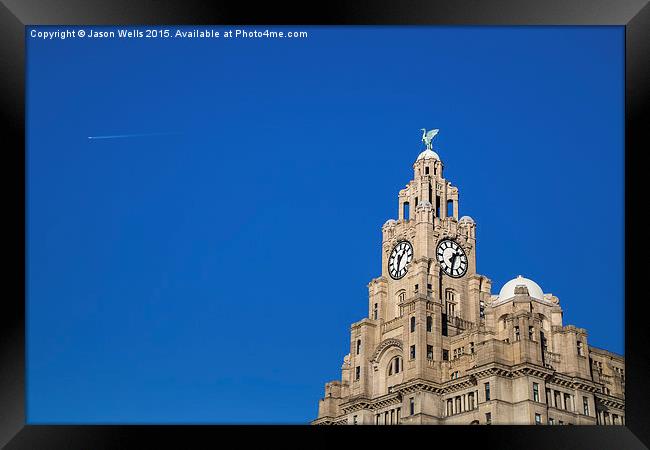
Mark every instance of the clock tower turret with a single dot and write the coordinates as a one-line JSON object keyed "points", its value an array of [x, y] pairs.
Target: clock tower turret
{"points": [[427, 250]]}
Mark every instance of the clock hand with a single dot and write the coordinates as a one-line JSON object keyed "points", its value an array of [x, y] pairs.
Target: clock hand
{"points": [[399, 259], [453, 260]]}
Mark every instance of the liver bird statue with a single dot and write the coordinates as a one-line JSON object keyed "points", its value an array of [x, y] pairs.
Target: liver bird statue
{"points": [[427, 136]]}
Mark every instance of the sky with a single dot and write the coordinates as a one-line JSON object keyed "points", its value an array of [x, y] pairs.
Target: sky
{"points": [[206, 269]]}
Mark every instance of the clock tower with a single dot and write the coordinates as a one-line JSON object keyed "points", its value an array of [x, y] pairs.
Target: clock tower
{"points": [[438, 348]]}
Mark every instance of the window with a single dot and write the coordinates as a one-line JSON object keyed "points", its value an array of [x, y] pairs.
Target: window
{"points": [[538, 419], [450, 208], [531, 333], [386, 418], [620, 373], [470, 400], [394, 366], [585, 406], [535, 392], [426, 171], [580, 349], [357, 373], [614, 419], [558, 400], [358, 346], [354, 420], [567, 402], [488, 418], [487, 392], [560, 423], [416, 202], [392, 414], [449, 295], [516, 333], [455, 374], [450, 407], [406, 211], [377, 419], [471, 348], [429, 323], [401, 296], [412, 405], [412, 351], [450, 309], [412, 324], [599, 366], [375, 312], [458, 404], [399, 411], [450, 298], [551, 421], [429, 351], [548, 396], [482, 309], [445, 355]]}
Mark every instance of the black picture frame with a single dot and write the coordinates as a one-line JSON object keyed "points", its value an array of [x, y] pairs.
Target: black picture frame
{"points": [[16, 14]]}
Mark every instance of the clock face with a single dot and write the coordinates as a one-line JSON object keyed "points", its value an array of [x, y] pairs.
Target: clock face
{"points": [[399, 259], [452, 258]]}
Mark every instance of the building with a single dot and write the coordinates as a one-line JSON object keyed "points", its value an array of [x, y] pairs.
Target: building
{"points": [[438, 348]]}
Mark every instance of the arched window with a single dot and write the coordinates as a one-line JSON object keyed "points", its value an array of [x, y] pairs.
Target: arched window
{"points": [[406, 211], [412, 324], [395, 366], [401, 296], [502, 322]]}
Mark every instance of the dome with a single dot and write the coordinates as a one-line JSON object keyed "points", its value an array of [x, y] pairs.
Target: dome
{"points": [[425, 203], [428, 154], [508, 289], [466, 219], [389, 222]]}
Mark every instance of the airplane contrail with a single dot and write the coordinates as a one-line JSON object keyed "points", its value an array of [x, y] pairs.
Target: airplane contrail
{"points": [[118, 136]]}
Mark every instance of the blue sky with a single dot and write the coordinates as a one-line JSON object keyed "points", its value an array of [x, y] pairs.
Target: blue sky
{"points": [[196, 276]]}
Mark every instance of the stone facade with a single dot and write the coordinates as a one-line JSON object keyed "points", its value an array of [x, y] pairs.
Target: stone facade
{"points": [[437, 349]]}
